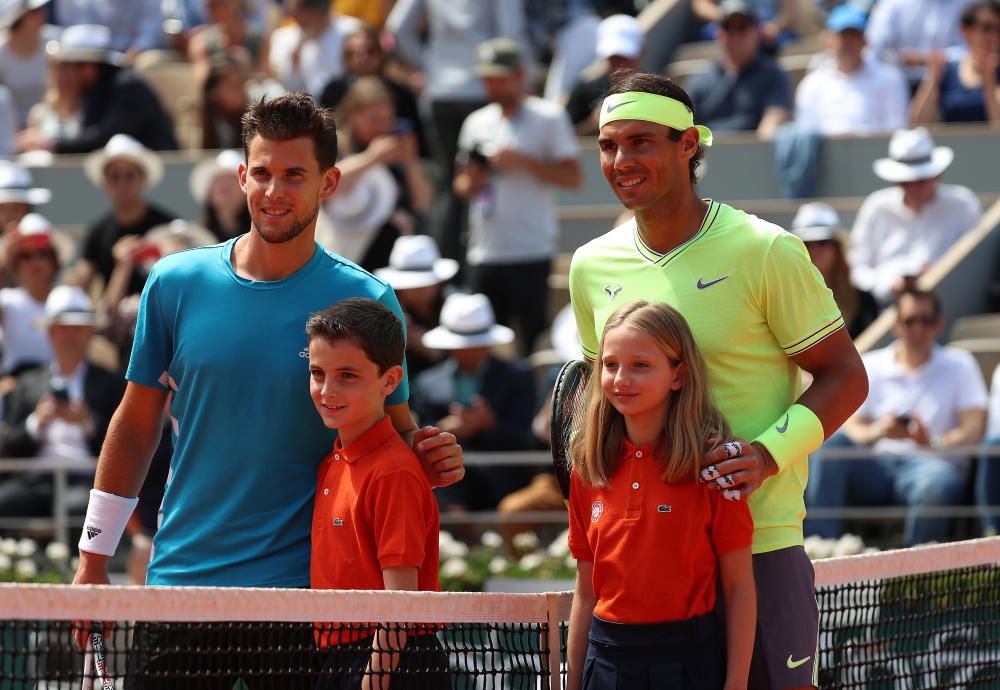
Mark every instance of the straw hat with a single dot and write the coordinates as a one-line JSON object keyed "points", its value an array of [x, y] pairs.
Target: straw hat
{"points": [[913, 156], [204, 174], [466, 321], [368, 204], [12, 10], [816, 222], [123, 147], [415, 262], [84, 43], [67, 306], [16, 186], [36, 232]]}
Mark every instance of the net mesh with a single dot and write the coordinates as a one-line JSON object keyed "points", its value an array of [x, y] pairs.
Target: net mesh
{"points": [[918, 618]]}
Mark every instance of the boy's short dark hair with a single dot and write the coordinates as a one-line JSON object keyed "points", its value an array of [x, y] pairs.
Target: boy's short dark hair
{"points": [[370, 324], [293, 116], [624, 80], [919, 295]]}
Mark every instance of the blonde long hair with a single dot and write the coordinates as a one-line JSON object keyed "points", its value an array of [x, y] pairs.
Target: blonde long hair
{"points": [[691, 418]]}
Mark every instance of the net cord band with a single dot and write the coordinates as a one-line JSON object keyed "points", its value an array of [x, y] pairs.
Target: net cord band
{"points": [[793, 436], [651, 107], [107, 515]]}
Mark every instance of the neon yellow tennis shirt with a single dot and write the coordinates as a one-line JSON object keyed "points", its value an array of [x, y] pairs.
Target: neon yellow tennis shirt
{"points": [[753, 299]]}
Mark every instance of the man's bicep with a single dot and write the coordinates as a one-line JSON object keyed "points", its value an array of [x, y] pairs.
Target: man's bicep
{"points": [[840, 383]]}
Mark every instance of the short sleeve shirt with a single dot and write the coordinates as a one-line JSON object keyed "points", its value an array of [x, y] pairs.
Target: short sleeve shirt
{"points": [[654, 545], [728, 102], [514, 219], [247, 438], [753, 300]]}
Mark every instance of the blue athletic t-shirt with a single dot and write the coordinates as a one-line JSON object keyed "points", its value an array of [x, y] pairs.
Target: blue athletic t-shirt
{"points": [[247, 439]]}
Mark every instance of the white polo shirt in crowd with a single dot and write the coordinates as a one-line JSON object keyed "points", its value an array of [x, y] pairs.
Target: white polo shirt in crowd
{"points": [[24, 340], [949, 383], [899, 25], [514, 219], [889, 240], [320, 59], [872, 100]]}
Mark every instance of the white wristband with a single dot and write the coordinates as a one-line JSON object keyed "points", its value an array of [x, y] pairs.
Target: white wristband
{"points": [[107, 515]]}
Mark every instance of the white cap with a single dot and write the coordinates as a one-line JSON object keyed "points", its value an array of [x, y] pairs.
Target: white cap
{"points": [[621, 35], [204, 174], [84, 43], [815, 222], [68, 306], [466, 321], [16, 186]]}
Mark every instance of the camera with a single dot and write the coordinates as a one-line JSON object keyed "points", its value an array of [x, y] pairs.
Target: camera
{"points": [[59, 390], [904, 419], [479, 154]]}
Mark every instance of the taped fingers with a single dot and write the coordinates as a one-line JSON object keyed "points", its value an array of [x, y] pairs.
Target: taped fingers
{"points": [[733, 449], [709, 473]]}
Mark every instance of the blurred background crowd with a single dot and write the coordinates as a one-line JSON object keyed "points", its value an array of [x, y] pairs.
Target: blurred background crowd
{"points": [[465, 127]]}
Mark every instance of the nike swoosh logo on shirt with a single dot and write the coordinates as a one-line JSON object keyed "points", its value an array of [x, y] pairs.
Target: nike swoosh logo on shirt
{"points": [[702, 285], [613, 107], [796, 664], [784, 427]]}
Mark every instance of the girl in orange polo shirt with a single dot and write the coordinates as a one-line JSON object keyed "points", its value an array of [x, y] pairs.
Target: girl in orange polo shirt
{"points": [[651, 541]]}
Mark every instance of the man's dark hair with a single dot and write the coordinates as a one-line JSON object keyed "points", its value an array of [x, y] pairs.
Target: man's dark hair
{"points": [[623, 81], [289, 117], [370, 324], [969, 13], [920, 295]]}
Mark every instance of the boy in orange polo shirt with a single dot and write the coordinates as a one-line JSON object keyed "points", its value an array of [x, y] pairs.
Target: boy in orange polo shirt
{"points": [[375, 521]]}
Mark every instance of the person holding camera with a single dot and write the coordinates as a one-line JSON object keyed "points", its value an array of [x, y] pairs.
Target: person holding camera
{"points": [[61, 410], [513, 154], [923, 399]]}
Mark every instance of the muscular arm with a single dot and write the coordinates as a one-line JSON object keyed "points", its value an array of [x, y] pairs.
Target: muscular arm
{"points": [[132, 437], [840, 383]]}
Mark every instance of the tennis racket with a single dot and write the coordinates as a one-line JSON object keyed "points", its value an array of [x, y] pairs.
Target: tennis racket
{"points": [[569, 400], [95, 662]]}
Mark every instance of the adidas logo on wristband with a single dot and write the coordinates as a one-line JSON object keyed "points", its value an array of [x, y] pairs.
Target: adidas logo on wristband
{"points": [[93, 532]]}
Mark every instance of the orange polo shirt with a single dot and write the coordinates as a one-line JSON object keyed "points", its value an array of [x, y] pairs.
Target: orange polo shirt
{"points": [[373, 509], [653, 544]]}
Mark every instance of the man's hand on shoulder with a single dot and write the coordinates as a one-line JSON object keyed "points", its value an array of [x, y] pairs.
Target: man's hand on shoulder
{"points": [[738, 465], [441, 455]]}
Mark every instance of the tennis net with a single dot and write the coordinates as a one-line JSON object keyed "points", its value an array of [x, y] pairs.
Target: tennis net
{"points": [[917, 618]]}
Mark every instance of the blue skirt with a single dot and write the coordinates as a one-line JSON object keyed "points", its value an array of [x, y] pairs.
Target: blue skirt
{"points": [[681, 655]]}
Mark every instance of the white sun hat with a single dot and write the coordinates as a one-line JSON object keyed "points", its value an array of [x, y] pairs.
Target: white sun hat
{"points": [[204, 174], [815, 222], [123, 147], [913, 156], [415, 262], [16, 186], [466, 321]]}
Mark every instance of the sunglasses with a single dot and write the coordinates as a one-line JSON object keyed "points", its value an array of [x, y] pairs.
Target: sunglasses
{"points": [[911, 321], [123, 176]]}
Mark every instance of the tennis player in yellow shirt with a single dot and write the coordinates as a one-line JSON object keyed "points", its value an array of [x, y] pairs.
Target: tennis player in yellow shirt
{"points": [[760, 312]]}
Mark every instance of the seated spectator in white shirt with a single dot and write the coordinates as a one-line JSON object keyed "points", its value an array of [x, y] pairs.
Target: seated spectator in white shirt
{"points": [[921, 397], [307, 54], [61, 410], [36, 253], [901, 231], [851, 94], [906, 32], [136, 25], [23, 61]]}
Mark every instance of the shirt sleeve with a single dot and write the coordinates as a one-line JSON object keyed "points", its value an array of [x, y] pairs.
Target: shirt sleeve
{"points": [[402, 392], [863, 250], [799, 307], [972, 393], [582, 310], [579, 518], [153, 346], [780, 93], [401, 502], [732, 525], [564, 145], [805, 114]]}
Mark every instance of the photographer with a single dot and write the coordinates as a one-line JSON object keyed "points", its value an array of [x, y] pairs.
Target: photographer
{"points": [[125, 170], [513, 155], [60, 410], [921, 396]]}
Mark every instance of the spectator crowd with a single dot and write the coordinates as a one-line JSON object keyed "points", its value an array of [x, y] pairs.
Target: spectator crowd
{"points": [[458, 125]]}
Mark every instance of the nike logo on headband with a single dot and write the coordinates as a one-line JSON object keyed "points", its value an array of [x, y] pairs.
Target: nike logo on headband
{"points": [[615, 106]]}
